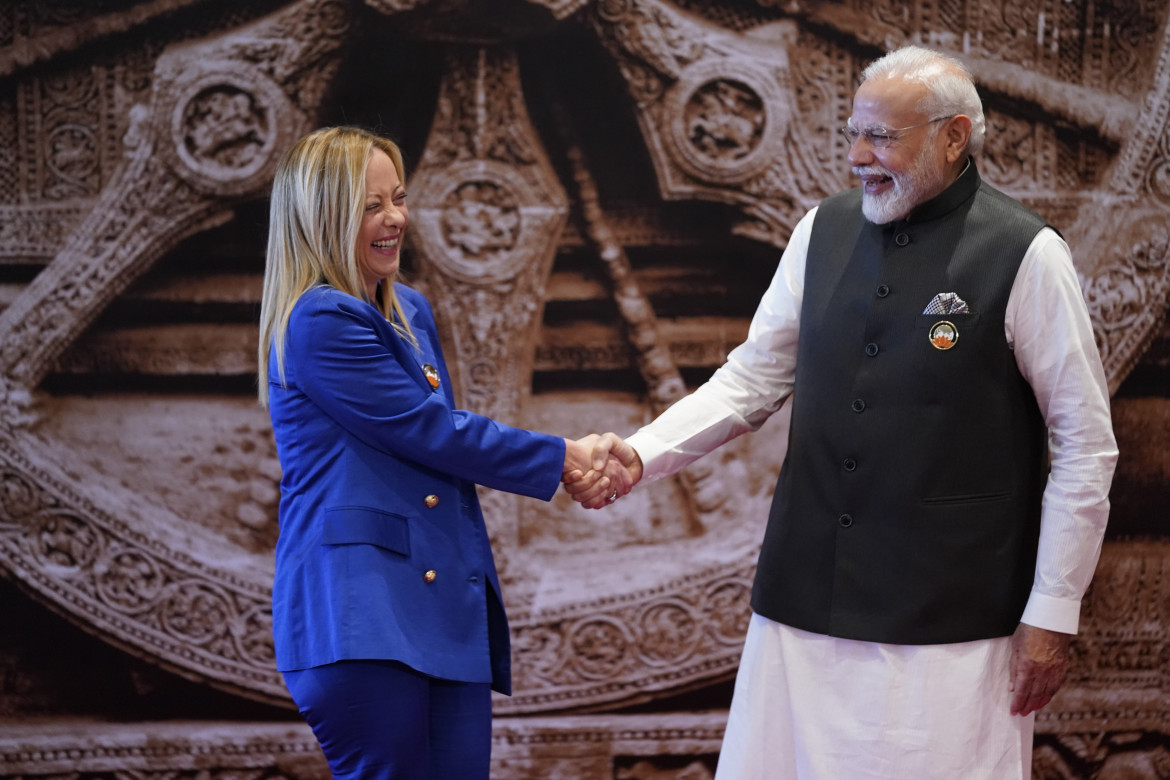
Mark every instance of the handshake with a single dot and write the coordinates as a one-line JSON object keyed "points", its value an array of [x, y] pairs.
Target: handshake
{"points": [[600, 469]]}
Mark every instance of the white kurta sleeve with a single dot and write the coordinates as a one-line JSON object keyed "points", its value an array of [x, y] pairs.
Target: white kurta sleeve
{"points": [[1048, 325], [748, 388]]}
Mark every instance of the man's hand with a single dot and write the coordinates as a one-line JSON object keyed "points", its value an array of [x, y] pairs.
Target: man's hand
{"points": [[1040, 659], [613, 470]]}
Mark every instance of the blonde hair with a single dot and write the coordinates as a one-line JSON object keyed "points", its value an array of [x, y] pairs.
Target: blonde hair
{"points": [[317, 199]]}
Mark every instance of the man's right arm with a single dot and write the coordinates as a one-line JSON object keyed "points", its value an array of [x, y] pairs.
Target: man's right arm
{"points": [[754, 382], [1049, 328]]}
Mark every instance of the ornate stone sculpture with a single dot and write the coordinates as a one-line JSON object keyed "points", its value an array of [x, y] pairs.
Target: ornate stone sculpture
{"points": [[737, 107]]}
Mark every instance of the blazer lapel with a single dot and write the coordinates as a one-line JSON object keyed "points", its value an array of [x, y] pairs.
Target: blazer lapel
{"points": [[429, 352]]}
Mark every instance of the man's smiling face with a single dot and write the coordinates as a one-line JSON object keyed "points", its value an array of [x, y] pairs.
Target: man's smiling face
{"points": [[912, 169]]}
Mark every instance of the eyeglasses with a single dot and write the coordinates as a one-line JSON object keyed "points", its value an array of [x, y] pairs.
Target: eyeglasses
{"points": [[880, 137]]}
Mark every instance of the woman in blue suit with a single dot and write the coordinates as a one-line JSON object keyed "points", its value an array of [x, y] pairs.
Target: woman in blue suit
{"points": [[386, 609]]}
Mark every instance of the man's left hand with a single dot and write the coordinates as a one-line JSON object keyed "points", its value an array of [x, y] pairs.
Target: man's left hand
{"points": [[1040, 659]]}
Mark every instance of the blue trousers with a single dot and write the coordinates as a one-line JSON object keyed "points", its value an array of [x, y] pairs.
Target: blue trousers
{"points": [[381, 720]]}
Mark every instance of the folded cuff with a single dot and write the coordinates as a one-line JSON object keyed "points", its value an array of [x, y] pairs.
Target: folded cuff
{"points": [[650, 450], [1051, 613]]}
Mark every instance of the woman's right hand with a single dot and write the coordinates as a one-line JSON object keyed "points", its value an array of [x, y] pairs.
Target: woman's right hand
{"points": [[600, 469]]}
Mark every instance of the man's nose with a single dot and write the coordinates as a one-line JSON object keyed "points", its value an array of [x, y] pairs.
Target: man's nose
{"points": [[860, 152]]}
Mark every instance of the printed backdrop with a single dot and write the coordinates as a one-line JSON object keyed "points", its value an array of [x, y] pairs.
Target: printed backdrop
{"points": [[600, 191]]}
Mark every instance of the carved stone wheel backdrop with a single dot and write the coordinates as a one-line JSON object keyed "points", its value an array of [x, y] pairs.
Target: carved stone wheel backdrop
{"points": [[600, 188]]}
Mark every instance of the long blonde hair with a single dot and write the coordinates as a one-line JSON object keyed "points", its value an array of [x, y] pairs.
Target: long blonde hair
{"points": [[316, 209]]}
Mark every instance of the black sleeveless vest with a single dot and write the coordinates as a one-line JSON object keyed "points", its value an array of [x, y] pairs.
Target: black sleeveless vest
{"points": [[908, 507]]}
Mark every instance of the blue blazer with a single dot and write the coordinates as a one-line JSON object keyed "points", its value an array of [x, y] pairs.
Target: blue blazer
{"points": [[383, 552]]}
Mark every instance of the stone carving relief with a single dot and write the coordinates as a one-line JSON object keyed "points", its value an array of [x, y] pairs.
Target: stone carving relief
{"points": [[221, 119], [490, 211], [680, 634], [128, 579], [224, 130], [128, 229], [737, 105], [726, 121], [716, 110]]}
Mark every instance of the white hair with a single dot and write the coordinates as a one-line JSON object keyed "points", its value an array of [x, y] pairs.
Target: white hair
{"points": [[950, 90]]}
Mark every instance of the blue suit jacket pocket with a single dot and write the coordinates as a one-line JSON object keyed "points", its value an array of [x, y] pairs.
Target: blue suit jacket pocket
{"points": [[362, 525]]}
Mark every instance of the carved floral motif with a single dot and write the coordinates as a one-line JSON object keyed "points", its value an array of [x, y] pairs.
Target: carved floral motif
{"points": [[69, 124], [1124, 296], [651, 641], [128, 579]]}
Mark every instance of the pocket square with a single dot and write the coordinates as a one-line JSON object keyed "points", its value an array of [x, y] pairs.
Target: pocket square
{"points": [[946, 303]]}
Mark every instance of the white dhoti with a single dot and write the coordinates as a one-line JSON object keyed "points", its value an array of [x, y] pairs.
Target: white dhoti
{"points": [[812, 707]]}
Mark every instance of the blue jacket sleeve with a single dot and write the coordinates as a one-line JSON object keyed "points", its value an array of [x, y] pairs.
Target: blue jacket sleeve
{"points": [[362, 375]]}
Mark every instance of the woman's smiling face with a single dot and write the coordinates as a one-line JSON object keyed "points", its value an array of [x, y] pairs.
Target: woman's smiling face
{"points": [[384, 221]]}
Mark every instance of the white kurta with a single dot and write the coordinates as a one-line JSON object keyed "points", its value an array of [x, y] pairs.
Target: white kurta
{"points": [[810, 706]]}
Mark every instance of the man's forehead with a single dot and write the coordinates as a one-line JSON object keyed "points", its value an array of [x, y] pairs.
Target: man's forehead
{"points": [[888, 101]]}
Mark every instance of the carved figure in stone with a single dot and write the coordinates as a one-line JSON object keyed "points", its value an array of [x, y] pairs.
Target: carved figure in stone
{"points": [[939, 534], [725, 120], [223, 125], [479, 218]]}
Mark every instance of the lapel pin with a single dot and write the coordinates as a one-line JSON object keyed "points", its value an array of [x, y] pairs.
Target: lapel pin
{"points": [[432, 375], [943, 334]]}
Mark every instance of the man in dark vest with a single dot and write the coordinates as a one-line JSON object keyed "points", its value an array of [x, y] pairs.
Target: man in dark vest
{"points": [[943, 499]]}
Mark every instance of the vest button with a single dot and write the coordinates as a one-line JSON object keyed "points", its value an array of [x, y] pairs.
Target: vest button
{"points": [[431, 501], [901, 239], [871, 349], [849, 464], [883, 290], [430, 575], [858, 405], [845, 521]]}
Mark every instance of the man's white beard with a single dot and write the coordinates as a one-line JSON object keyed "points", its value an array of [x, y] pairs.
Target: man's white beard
{"points": [[892, 205], [918, 184]]}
